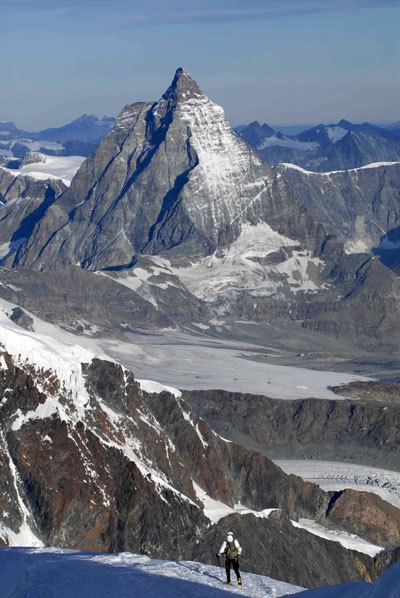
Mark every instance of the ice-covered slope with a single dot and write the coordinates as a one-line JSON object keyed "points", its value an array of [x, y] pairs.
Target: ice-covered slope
{"points": [[69, 574]]}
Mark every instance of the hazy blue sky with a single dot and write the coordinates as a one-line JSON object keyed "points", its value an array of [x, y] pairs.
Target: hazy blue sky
{"points": [[277, 61]]}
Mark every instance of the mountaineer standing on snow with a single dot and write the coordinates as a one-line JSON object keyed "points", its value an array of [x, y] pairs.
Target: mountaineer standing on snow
{"points": [[231, 549]]}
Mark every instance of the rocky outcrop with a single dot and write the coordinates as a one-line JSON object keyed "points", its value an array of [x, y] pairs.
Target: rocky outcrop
{"points": [[362, 205], [348, 506], [363, 429]]}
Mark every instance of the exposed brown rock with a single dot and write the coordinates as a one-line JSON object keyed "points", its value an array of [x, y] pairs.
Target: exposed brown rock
{"points": [[367, 515], [383, 392]]}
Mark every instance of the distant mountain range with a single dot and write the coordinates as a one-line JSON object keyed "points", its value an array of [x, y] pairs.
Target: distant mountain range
{"points": [[326, 147], [78, 138]]}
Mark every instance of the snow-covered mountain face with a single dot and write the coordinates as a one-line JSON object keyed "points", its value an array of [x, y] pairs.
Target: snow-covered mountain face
{"points": [[94, 459]]}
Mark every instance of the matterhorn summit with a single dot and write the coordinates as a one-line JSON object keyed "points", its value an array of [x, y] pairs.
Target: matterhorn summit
{"points": [[182, 87], [172, 178]]}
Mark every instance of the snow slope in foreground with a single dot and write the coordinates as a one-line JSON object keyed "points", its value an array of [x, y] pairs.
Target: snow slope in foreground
{"points": [[53, 572]]}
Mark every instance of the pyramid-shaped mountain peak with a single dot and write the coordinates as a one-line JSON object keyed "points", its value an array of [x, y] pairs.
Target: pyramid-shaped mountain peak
{"points": [[173, 178], [183, 87]]}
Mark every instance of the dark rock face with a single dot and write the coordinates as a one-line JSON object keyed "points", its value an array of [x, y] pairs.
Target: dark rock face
{"points": [[348, 506], [364, 429], [81, 489], [114, 468], [362, 204]]}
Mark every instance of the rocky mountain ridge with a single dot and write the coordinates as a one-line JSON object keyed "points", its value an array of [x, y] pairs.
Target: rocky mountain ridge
{"points": [[362, 429], [363, 209]]}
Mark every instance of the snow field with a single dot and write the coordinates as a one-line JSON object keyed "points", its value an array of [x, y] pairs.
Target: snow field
{"points": [[60, 573]]}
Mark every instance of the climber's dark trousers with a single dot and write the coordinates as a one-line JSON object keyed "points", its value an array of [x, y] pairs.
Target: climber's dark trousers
{"points": [[235, 565]]}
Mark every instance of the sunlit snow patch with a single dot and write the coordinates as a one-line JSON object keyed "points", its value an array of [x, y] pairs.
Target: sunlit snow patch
{"points": [[347, 540], [150, 386], [238, 267], [215, 510], [51, 167]]}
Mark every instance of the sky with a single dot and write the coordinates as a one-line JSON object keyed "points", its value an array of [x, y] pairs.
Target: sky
{"points": [[275, 61]]}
